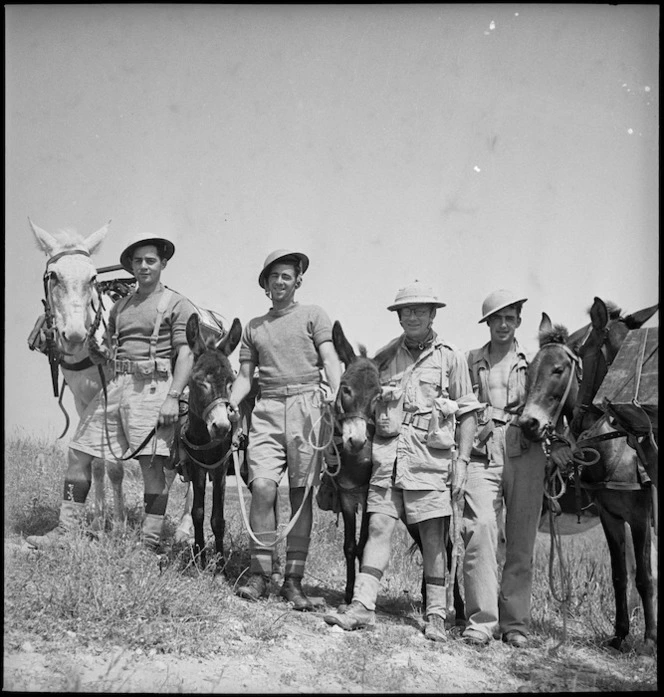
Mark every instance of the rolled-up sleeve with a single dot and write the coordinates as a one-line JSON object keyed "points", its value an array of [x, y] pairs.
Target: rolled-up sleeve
{"points": [[460, 384]]}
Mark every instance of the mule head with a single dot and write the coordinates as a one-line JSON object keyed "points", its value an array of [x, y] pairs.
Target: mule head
{"points": [[70, 282], [553, 382], [600, 344], [211, 376], [359, 388]]}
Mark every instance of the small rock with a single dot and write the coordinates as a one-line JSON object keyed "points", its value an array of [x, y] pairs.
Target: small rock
{"points": [[27, 647]]}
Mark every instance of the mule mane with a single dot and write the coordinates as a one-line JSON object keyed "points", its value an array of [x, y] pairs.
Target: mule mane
{"points": [[557, 334], [363, 350]]}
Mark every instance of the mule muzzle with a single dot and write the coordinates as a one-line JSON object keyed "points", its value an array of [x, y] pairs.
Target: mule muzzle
{"points": [[533, 428]]}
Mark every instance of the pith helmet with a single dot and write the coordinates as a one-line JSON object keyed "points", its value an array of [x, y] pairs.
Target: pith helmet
{"points": [[415, 293], [166, 248], [498, 300], [276, 256]]}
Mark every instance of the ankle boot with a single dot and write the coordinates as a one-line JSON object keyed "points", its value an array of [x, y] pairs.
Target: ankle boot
{"points": [[152, 525], [291, 590], [71, 517]]}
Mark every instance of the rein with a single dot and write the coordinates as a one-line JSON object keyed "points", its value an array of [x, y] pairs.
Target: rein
{"points": [[239, 438], [211, 446]]}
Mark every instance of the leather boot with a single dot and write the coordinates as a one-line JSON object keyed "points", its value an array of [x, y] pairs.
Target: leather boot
{"points": [[434, 629], [292, 591], [152, 525], [71, 517], [356, 616], [256, 587]]}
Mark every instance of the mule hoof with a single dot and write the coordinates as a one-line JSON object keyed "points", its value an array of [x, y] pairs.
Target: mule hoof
{"points": [[617, 644]]}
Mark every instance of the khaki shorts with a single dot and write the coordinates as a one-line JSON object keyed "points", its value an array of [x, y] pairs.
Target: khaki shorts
{"points": [[130, 414], [280, 435], [413, 506]]}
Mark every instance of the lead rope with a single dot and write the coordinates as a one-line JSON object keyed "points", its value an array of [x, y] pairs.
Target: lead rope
{"points": [[556, 545], [239, 434]]}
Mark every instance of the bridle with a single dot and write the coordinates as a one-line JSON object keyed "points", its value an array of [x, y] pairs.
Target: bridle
{"points": [[340, 415], [53, 352], [211, 448], [574, 373]]}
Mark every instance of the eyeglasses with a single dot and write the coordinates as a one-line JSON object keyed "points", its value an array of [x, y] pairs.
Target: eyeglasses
{"points": [[419, 312]]}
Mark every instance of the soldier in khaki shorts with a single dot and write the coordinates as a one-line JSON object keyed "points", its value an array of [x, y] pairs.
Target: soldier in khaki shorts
{"points": [[426, 395], [288, 345], [151, 362]]}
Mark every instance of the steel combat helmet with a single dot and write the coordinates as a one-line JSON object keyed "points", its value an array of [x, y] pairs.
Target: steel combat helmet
{"points": [[498, 300]]}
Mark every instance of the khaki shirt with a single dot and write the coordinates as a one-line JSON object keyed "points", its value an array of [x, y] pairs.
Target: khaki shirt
{"points": [[417, 394]]}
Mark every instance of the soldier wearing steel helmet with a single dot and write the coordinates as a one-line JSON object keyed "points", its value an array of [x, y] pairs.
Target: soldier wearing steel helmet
{"points": [[424, 419], [289, 345], [147, 349], [504, 477]]}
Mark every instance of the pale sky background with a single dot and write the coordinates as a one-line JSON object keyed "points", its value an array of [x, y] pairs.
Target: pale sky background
{"points": [[473, 147]]}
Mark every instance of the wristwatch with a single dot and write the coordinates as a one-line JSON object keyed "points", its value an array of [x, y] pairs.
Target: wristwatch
{"points": [[174, 393]]}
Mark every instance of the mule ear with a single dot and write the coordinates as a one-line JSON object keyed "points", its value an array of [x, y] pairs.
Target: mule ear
{"points": [[637, 319], [599, 315], [193, 333], [94, 240], [341, 344], [545, 324], [46, 241], [231, 339]]}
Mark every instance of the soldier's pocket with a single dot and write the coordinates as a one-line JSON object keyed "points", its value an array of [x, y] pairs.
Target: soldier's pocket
{"points": [[389, 412], [515, 442], [442, 425]]}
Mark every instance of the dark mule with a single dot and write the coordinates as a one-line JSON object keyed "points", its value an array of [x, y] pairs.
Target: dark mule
{"points": [[206, 434], [359, 389], [615, 481]]}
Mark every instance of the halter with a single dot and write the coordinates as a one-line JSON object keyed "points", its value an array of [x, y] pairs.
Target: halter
{"points": [[53, 353], [577, 372]]}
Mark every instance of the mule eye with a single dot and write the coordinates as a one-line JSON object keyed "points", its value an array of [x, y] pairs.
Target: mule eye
{"points": [[558, 370]]}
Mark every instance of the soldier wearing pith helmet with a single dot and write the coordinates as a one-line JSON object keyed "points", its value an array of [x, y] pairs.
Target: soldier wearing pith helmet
{"points": [[503, 479], [425, 420], [288, 345]]}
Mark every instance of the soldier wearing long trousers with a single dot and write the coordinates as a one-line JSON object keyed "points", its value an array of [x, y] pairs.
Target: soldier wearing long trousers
{"points": [[289, 345], [425, 419], [505, 476], [151, 363]]}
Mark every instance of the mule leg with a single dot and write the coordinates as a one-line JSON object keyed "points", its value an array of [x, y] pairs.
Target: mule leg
{"points": [[198, 482], [217, 522], [414, 531], [98, 473], [642, 538], [115, 471], [185, 529], [350, 544], [614, 531], [459, 605]]}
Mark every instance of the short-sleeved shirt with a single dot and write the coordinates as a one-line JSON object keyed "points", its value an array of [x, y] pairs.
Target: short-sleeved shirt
{"points": [[440, 371], [135, 323], [284, 345]]}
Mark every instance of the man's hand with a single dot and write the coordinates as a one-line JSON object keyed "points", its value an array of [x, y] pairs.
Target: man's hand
{"points": [[98, 354], [561, 455], [169, 412], [233, 412], [459, 478]]}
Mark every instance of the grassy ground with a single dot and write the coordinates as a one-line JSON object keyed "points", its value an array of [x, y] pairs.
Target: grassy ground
{"points": [[112, 593]]}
